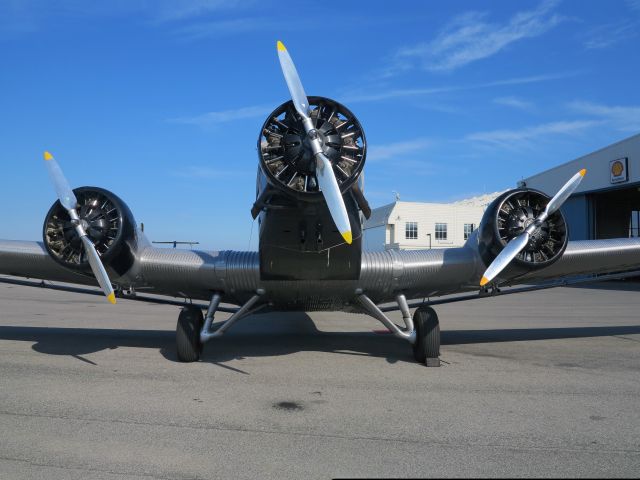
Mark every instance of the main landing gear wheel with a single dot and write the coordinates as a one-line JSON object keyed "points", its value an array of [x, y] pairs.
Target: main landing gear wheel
{"points": [[426, 349], [188, 343]]}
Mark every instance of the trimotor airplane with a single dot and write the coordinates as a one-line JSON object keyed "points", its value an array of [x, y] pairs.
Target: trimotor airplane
{"points": [[310, 206]]}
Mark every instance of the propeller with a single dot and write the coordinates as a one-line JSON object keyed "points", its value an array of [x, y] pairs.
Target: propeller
{"points": [[515, 246], [68, 200], [324, 170]]}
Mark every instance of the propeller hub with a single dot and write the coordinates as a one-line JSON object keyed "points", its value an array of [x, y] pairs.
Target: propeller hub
{"points": [[304, 158], [521, 218]]}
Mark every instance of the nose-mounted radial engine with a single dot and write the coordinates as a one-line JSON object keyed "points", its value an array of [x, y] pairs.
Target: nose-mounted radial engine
{"points": [[296, 222], [286, 155]]}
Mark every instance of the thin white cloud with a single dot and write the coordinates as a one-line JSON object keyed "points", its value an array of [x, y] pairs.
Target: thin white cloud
{"points": [[353, 97], [211, 119], [394, 150], [219, 28], [207, 173], [519, 138], [29, 16], [172, 11], [605, 36], [470, 37], [514, 102], [634, 5], [624, 119]]}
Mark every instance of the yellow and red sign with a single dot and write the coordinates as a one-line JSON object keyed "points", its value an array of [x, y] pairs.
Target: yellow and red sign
{"points": [[618, 169]]}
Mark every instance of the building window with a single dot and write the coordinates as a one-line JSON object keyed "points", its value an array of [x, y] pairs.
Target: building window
{"points": [[411, 230], [441, 231], [468, 229]]}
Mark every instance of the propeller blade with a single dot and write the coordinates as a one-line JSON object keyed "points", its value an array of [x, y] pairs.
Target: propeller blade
{"points": [[565, 192], [98, 269], [69, 201], [63, 190], [298, 96], [324, 170], [507, 254], [329, 187]]}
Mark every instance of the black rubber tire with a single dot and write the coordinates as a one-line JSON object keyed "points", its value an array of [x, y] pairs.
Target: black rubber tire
{"points": [[188, 343], [425, 321]]}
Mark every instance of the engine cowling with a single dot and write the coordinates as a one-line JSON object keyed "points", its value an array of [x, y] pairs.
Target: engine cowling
{"points": [[108, 222], [286, 157], [508, 216]]}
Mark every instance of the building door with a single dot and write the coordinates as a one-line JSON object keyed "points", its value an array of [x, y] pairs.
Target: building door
{"points": [[634, 224], [616, 213]]}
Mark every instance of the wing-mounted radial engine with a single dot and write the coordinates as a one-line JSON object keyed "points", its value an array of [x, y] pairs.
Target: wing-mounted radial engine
{"points": [[524, 230], [509, 216], [296, 221], [108, 223]]}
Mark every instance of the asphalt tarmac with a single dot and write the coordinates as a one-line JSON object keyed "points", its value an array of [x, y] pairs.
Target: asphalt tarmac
{"points": [[538, 384]]}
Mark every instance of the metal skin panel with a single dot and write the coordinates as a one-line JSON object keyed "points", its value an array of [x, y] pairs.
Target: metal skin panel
{"points": [[417, 274], [593, 256], [286, 253], [31, 260]]}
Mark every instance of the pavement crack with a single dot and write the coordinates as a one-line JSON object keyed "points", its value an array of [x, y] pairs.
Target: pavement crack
{"points": [[626, 338], [91, 469], [575, 449]]}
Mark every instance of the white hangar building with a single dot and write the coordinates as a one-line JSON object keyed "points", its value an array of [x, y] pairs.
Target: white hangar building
{"points": [[607, 202], [414, 225]]}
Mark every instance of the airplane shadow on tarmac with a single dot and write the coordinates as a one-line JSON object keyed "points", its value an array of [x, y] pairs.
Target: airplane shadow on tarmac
{"points": [[296, 333]]}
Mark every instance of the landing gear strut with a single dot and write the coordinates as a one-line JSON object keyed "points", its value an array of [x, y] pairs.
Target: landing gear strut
{"points": [[422, 331], [193, 331]]}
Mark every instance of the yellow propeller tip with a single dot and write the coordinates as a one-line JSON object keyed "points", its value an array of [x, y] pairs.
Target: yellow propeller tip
{"points": [[583, 172], [484, 281], [47, 156], [281, 47], [112, 298], [347, 236]]}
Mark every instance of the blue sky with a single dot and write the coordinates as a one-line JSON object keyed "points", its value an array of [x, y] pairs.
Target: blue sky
{"points": [[162, 101]]}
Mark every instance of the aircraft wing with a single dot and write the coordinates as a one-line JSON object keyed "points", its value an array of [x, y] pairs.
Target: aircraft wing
{"points": [[415, 273]]}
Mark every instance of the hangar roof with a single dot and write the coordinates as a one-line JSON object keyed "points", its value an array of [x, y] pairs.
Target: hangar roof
{"points": [[598, 169], [380, 215]]}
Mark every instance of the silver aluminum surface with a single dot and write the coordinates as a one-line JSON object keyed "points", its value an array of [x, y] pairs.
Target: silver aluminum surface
{"points": [[414, 273]]}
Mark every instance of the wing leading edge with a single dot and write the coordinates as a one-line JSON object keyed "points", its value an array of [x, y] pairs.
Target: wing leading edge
{"points": [[416, 273]]}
